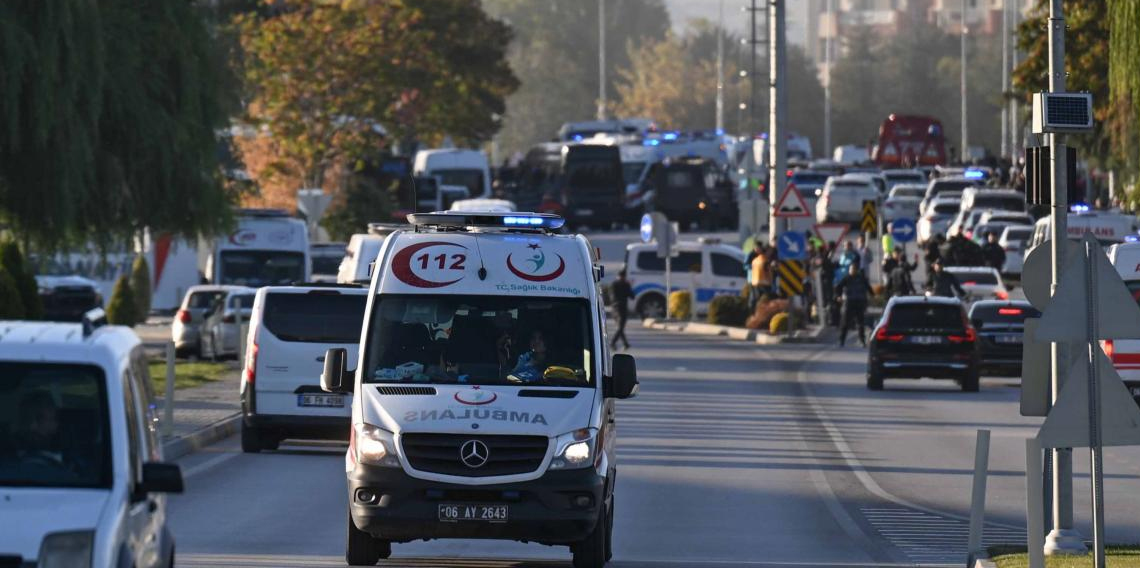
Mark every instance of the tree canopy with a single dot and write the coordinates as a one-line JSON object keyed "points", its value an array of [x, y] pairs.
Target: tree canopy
{"points": [[109, 110]]}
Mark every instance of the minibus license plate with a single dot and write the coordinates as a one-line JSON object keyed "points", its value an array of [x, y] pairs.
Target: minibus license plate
{"points": [[482, 513], [333, 400]]}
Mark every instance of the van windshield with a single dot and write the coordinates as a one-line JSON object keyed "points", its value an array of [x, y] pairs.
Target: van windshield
{"points": [[262, 267], [479, 340], [471, 179], [53, 426]]}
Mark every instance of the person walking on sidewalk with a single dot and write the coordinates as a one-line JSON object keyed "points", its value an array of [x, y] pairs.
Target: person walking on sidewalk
{"points": [[761, 275], [621, 292], [855, 290]]}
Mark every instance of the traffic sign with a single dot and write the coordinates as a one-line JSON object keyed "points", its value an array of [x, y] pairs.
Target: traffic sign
{"points": [[831, 232], [1117, 315], [870, 223], [1036, 272], [791, 204], [1067, 425], [792, 246], [646, 228], [791, 274], [1035, 379], [903, 229]]}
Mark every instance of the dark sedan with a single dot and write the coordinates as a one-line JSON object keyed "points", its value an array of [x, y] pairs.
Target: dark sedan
{"points": [[920, 336], [1000, 326]]}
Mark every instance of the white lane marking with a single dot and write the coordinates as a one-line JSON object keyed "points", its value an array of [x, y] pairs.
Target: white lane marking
{"points": [[208, 464]]}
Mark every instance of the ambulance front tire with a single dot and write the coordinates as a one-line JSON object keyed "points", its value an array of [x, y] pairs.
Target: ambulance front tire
{"points": [[362, 549], [593, 551]]}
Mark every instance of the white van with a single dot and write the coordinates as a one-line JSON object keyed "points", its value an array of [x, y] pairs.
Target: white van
{"points": [[290, 329], [1125, 353], [81, 480], [1108, 228], [454, 166], [269, 247], [361, 252], [705, 265], [483, 393]]}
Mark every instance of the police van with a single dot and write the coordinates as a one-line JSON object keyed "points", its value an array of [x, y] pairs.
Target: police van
{"points": [[483, 392], [706, 266]]}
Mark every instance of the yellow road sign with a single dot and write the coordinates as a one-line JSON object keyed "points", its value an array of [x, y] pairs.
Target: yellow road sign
{"points": [[791, 277], [870, 222]]}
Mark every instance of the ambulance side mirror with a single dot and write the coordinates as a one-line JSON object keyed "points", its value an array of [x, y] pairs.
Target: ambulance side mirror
{"points": [[623, 383], [335, 378]]}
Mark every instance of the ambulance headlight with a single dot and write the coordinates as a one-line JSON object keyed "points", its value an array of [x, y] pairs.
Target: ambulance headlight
{"points": [[375, 446], [66, 550], [575, 450]]}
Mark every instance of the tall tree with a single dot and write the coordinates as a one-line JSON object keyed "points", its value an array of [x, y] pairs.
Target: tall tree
{"points": [[1124, 80], [555, 54], [331, 83]]}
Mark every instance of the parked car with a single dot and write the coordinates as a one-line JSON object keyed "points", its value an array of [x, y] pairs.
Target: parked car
{"points": [[842, 199], [896, 178], [924, 336], [908, 190], [186, 326], [1007, 217], [900, 207], [937, 217], [965, 222], [1000, 326], [82, 472], [220, 332], [290, 329], [980, 282], [67, 298], [942, 184], [995, 199]]}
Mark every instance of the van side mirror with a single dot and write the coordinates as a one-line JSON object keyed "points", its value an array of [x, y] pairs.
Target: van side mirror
{"points": [[160, 478], [335, 378], [623, 384]]}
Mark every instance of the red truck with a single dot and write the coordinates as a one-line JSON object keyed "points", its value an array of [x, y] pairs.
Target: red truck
{"points": [[910, 141]]}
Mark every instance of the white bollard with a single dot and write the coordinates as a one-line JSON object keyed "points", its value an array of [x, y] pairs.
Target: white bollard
{"points": [[1034, 505], [978, 498], [168, 402]]}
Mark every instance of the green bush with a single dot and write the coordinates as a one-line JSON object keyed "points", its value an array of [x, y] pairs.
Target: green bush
{"points": [[779, 323], [21, 273], [680, 304], [728, 310], [11, 306], [121, 308], [140, 285]]}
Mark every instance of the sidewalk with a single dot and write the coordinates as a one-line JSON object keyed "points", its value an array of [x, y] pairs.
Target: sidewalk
{"points": [[203, 415]]}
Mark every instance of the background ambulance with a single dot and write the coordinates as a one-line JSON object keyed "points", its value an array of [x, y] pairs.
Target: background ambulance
{"points": [[1125, 353], [483, 393]]}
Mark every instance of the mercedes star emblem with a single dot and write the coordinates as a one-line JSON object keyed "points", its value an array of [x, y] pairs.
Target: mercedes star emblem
{"points": [[474, 454]]}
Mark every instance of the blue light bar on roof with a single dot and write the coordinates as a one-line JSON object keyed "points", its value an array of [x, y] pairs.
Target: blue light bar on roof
{"points": [[1079, 207], [652, 142], [974, 174], [487, 219], [669, 136]]}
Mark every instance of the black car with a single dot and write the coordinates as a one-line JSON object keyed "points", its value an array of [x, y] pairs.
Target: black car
{"points": [[921, 336], [1000, 328]]}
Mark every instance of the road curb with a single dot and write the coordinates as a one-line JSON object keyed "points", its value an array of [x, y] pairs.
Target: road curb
{"points": [[812, 335], [982, 560], [180, 446]]}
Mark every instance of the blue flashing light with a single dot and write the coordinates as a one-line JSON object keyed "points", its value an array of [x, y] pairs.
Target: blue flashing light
{"points": [[577, 137], [974, 174], [652, 142], [1079, 208], [1131, 238], [524, 221], [669, 136], [720, 132]]}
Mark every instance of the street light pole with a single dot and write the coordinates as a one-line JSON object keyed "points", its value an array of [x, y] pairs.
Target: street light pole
{"points": [[1014, 127], [1063, 539], [720, 68], [601, 59], [1005, 77], [832, 28], [965, 130], [777, 108]]}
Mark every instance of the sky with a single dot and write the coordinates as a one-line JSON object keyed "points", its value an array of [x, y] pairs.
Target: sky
{"points": [[681, 11]]}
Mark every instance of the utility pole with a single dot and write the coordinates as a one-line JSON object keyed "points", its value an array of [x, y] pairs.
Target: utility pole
{"points": [[601, 59], [832, 29], [965, 152], [1005, 77], [1014, 127], [1063, 539], [720, 68], [752, 73], [777, 113]]}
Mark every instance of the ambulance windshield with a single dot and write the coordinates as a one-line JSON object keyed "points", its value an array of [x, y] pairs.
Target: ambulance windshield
{"points": [[479, 340]]}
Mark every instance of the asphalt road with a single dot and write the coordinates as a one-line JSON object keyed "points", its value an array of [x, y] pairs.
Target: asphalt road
{"points": [[734, 455]]}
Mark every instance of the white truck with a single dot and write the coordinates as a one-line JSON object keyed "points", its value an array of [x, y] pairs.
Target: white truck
{"points": [[268, 248]]}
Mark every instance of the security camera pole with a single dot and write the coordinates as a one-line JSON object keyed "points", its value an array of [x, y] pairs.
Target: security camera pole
{"points": [[1063, 539]]}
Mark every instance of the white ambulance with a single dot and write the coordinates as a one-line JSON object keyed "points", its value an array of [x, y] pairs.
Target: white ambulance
{"points": [[270, 247], [1109, 228], [483, 393], [1125, 353]]}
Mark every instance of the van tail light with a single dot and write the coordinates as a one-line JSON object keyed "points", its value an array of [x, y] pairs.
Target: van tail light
{"points": [[1002, 295], [184, 316], [250, 373], [1109, 350]]}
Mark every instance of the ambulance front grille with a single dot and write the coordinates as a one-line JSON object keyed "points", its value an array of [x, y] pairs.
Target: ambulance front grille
{"points": [[506, 455]]}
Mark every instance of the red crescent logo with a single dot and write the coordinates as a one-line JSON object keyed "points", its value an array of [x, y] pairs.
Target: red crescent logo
{"points": [[544, 278], [476, 402], [402, 266]]}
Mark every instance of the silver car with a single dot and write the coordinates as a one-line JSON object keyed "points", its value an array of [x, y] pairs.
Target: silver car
{"points": [[221, 335], [185, 328]]}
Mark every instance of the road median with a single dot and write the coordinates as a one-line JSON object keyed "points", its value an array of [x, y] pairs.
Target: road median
{"points": [[812, 334]]}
